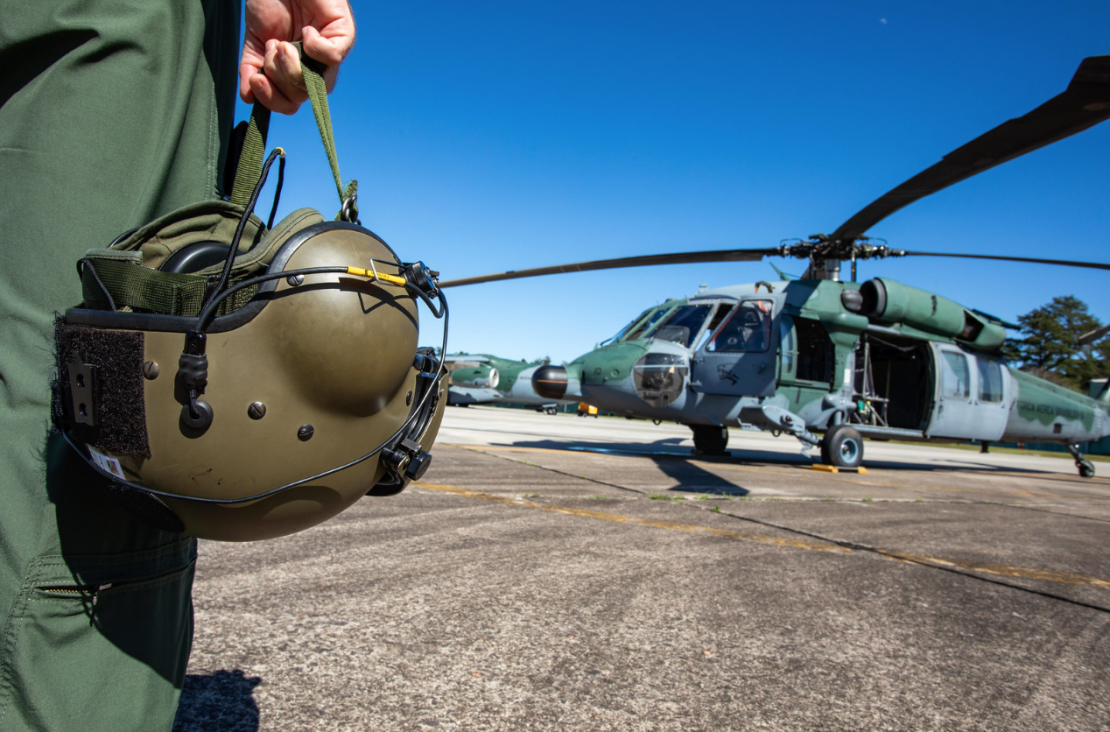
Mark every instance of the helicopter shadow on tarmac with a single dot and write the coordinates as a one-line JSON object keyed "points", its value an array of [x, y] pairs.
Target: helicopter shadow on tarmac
{"points": [[680, 462], [672, 460], [223, 700]]}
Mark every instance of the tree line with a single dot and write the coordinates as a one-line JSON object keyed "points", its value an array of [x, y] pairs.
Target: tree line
{"points": [[1049, 346]]}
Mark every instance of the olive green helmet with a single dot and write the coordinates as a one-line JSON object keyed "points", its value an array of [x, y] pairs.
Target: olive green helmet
{"points": [[240, 382]]}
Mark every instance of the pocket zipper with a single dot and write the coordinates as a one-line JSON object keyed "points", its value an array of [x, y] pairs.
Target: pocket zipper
{"points": [[78, 591], [94, 591]]}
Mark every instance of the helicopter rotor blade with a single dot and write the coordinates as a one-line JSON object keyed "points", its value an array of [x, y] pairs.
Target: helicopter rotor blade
{"points": [[1060, 262], [1085, 103], [1088, 338], [713, 255]]}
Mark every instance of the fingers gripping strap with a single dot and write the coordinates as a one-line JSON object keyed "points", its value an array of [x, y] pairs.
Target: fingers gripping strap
{"points": [[252, 156]]}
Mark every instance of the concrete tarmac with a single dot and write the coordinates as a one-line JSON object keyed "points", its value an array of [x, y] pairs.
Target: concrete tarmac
{"points": [[557, 572]]}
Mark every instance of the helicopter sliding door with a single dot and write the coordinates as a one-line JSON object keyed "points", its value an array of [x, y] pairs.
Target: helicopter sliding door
{"points": [[972, 393], [894, 377], [739, 359]]}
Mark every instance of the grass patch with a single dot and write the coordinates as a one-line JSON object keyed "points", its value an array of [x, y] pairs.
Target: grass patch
{"points": [[663, 497], [716, 509]]}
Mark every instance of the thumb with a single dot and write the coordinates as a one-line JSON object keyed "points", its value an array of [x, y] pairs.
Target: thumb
{"points": [[328, 49]]}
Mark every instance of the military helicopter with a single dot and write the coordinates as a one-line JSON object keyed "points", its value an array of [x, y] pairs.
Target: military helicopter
{"points": [[485, 379], [818, 355]]}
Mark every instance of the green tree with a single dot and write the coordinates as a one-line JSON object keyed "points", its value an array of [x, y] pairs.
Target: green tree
{"points": [[1050, 346]]}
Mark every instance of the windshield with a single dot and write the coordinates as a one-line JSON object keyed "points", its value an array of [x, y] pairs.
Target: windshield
{"points": [[625, 329], [647, 324], [683, 325]]}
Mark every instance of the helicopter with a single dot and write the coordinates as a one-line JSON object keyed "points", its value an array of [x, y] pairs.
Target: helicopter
{"points": [[485, 379], [831, 362]]}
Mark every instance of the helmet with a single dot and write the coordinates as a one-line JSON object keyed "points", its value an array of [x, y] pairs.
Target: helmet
{"points": [[241, 382]]}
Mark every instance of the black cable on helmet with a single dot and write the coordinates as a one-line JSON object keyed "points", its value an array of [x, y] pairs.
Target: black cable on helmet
{"points": [[234, 251]]}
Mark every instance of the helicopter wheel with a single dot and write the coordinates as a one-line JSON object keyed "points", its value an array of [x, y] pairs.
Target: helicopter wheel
{"points": [[1086, 469], [551, 410], [842, 447], [710, 440]]}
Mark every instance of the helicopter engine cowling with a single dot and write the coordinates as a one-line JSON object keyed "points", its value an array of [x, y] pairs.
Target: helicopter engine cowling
{"points": [[478, 377], [887, 301]]}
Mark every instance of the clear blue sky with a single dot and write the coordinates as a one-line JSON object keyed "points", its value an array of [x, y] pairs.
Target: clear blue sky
{"points": [[488, 136]]}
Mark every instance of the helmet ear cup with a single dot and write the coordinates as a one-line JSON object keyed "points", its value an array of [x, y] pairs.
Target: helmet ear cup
{"points": [[195, 257], [199, 256], [258, 257], [350, 347]]}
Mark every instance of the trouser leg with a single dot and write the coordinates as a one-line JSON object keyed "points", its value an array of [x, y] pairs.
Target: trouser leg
{"points": [[111, 114]]}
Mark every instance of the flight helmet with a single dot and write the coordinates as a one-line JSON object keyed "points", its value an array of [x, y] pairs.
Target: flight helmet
{"points": [[239, 380]]}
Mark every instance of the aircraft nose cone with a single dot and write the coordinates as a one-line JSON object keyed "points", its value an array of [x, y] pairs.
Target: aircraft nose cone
{"points": [[550, 382]]}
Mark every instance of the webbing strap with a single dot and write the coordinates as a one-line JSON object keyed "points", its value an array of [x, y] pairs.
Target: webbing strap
{"points": [[251, 156], [313, 72], [147, 290]]}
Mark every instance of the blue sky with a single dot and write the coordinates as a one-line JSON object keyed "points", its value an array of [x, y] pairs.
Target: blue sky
{"points": [[488, 136]]}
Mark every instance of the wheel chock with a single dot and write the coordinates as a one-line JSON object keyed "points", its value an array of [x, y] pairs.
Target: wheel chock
{"points": [[833, 469]]}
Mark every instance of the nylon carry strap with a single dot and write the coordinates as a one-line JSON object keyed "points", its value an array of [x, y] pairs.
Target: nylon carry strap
{"points": [[251, 156], [149, 291], [132, 285], [313, 72]]}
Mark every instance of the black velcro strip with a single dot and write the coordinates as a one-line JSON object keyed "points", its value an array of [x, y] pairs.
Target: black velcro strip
{"points": [[120, 419]]}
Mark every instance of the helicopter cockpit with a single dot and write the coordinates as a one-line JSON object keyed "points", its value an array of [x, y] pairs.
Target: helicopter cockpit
{"points": [[726, 344]]}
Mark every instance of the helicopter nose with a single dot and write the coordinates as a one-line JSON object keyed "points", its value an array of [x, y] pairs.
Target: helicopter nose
{"points": [[550, 382]]}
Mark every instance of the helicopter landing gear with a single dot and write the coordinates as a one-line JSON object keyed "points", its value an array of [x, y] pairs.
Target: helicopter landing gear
{"points": [[1086, 469], [710, 440], [842, 447]]}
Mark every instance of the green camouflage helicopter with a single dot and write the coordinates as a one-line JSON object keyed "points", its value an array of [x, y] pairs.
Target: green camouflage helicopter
{"points": [[820, 356], [479, 378]]}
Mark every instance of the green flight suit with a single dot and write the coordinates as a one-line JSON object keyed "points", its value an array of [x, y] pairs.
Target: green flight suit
{"points": [[112, 112]]}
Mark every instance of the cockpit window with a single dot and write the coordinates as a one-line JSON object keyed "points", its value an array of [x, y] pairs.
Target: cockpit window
{"points": [[718, 317], [621, 333], [683, 325], [748, 329], [646, 325]]}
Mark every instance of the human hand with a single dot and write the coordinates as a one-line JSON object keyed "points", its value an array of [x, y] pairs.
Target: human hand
{"points": [[270, 67]]}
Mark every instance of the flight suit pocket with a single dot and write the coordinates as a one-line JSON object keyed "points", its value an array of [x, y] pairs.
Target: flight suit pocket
{"points": [[107, 653]]}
